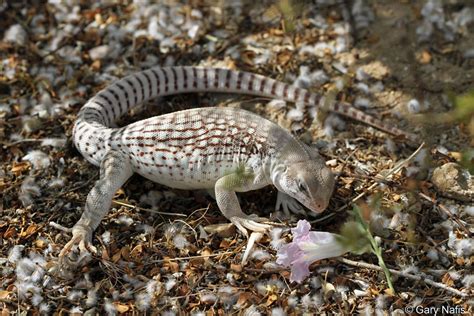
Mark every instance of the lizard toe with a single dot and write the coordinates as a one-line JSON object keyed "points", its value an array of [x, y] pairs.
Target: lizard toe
{"points": [[252, 224]]}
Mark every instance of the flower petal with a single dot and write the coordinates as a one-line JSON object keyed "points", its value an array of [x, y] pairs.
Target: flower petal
{"points": [[301, 230], [288, 253], [299, 271]]}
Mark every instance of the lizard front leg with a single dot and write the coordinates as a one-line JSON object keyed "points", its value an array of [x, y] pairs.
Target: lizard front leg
{"points": [[115, 169], [228, 203]]}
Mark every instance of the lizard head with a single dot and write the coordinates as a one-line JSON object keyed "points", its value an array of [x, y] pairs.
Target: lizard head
{"points": [[310, 182]]}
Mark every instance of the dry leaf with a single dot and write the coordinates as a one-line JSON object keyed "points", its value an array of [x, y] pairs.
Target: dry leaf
{"points": [[116, 256], [174, 266], [248, 57], [121, 308], [96, 65], [244, 298], [271, 299], [9, 233], [4, 295], [222, 230], [424, 57], [33, 228], [136, 251], [125, 253], [236, 267], [41, 243], [447, 280], [19, 167], [284, 57], [224, 244]]}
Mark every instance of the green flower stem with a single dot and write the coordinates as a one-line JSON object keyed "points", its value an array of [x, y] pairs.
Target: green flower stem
{"points": [[376, 249]]}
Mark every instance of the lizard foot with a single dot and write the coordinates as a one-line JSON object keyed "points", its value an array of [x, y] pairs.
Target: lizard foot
{"points": [[288, 204], [252, 223], [81, 237]]}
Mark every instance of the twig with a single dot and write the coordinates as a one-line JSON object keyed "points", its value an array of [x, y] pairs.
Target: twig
{"points": [[448, 212], [191, 257], [147, 209], [420, 278]]}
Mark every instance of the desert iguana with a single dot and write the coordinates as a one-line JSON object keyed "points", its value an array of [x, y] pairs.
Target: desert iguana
{"points": [[224, 149]]}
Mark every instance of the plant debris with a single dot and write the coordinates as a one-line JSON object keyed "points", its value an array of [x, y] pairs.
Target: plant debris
{"points": [[162, 250]]}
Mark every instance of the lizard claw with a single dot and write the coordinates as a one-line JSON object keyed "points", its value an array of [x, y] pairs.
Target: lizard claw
{"points": [[81, 237], [288, 204], [251, 223]]}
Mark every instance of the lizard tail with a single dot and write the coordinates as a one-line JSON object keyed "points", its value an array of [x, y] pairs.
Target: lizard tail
{"points": [[92, 129]]}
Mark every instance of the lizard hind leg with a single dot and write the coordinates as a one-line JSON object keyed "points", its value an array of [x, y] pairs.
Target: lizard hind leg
{"points": [[115, 169]]}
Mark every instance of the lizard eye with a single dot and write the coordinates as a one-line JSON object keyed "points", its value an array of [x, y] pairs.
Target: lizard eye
{"points": [[302, 187]]}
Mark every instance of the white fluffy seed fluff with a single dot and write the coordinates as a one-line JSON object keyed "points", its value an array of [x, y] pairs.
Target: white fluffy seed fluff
{"points": [[295, 115], [28, 190], [469, 210], [276, 240], [143, 301], [170, 284], [413, 106], [38, 159], [260, 254], [362, 103], [109, 307], [75, 296], [208, 298], [468, 281], [76, 310], [432, 254], [36, 299], [151, 198], [16, 34], [145, 229], [276, 105], [251, 311], [44, 308], [464, 247], [125, 220], [106, 237], [53, 142], [91, 299], [278, 311], [15, 253], [180, 242]]}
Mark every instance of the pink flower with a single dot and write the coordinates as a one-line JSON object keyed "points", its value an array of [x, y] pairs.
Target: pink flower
{"points": [[307, 246]]}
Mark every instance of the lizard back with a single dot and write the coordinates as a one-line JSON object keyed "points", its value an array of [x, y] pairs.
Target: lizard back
{"points": [[193, 148]]}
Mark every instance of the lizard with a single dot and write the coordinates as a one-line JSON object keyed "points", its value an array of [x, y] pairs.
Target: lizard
{"points": [[227, 150]]}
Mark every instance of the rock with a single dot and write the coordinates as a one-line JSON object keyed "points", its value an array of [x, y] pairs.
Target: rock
{"points": [[452, 181]]}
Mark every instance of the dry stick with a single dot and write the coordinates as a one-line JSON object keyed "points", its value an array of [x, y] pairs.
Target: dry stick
{"points": [[448, 212], [191, 257], [435, 244], [147, 209], [395, 169], [422, 277]]}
